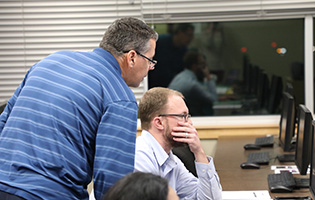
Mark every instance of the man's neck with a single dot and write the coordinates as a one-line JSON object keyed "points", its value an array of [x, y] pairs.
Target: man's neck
{"points": [[159, 137]]}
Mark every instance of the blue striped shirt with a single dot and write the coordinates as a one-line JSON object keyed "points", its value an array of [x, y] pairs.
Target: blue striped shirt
{"points": [[73, 118]]}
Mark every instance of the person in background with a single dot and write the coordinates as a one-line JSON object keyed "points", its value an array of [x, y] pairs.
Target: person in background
{"points": [[74, 117], [141, 186], [166, 123], [170, 50], [196, 84]]}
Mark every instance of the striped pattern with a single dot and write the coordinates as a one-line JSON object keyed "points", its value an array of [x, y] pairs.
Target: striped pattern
{"points": [[72, 118]]}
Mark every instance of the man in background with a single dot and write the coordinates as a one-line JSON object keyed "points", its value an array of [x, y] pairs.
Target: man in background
{"points": [[170, 50], [196, 84], [74, 117], [166, 123]]}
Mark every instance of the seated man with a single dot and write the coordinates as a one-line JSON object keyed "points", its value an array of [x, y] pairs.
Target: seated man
{"points": [[196, 84], [166, 124]]}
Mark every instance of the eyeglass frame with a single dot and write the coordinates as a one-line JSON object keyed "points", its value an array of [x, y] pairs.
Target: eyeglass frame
{"points": [[153, 62], [185, 116]]}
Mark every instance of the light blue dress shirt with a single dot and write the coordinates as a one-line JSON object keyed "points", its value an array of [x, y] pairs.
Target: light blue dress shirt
{"points": [[151, 157], [199, 96]]}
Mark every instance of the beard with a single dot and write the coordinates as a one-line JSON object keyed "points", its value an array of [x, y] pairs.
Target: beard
{"points": [[170, 140]]}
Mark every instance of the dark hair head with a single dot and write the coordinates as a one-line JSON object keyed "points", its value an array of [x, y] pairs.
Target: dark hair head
{"points": [[126, 34], [183, 27], [191, 58], [138, 186]]}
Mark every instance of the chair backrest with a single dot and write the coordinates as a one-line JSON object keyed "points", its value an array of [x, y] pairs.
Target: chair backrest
{"points": [[187, 157]]}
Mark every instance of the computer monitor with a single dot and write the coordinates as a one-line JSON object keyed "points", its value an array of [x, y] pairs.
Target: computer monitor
{"points": [[276, 89], [303, 139], [263, 90], [287, 122], [289, 88], [245, 72], [254, 80], [312, 172]]}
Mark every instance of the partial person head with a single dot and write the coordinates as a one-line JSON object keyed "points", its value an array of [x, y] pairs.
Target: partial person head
{"points": [[132, 42], [196, 62], [160, 109], [183, 34], [141, 186]]}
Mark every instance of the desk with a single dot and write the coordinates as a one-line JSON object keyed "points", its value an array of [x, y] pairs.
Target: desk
{"points": [[230, 154], [226, 108]]}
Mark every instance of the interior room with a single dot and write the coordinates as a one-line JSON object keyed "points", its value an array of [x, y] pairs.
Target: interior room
{"points": [[256, 49]]}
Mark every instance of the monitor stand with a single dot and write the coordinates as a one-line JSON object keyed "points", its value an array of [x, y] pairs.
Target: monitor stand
{"points": [[286, 157]]}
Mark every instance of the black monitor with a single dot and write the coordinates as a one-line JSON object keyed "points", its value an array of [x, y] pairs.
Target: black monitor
{"points": [[312, 172], [289, 88], [287, 122], [254, 79], [276, 89], [245, 73], [263, 90], [303, 139]]}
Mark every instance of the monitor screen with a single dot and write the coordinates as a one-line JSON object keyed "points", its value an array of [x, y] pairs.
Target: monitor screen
{"points": [[287, 122], [312, 173], [303, 139]]}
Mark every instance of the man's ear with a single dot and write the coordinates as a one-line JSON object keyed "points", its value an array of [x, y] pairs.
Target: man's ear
{"points": [[158, 123], [131, 58]]}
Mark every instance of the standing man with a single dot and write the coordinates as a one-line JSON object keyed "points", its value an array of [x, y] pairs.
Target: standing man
{"points": [[170, 50], [166, 124], [74, 117]]}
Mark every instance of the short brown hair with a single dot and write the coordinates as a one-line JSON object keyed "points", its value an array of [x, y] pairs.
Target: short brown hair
{"points": [[154, 102]]}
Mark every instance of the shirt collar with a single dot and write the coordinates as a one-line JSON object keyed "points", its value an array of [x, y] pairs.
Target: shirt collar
{"points": [[107, 57]]}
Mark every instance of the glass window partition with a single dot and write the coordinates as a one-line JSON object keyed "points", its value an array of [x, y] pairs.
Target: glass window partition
{"points": [[250, 63]]}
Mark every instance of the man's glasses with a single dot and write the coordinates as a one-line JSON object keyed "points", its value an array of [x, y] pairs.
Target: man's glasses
{"points": [[152, 62], [185, 116]]}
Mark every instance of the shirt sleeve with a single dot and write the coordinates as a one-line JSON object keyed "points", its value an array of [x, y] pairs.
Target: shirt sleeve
{"points": [[211, 86], [115, 145], [206, 187]]}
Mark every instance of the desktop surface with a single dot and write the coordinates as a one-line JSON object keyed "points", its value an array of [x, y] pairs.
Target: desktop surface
{"points": [[230, 154]]}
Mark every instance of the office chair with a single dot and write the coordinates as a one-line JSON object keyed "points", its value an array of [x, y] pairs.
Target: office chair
{"points": [[187, 157]]}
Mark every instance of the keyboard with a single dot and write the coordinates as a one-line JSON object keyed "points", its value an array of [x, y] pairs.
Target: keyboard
{"points": [[302, 182], [259, 158], [285, 179], [286, 157], [265, 141]]}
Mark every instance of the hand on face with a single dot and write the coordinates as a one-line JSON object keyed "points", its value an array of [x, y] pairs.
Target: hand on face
{"points": [[186, 133]]}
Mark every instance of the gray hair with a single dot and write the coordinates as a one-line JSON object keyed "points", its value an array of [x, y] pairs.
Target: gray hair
{"points": [[126, 34]]}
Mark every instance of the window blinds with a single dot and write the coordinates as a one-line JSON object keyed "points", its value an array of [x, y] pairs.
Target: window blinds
{"points": [[32, 29]]}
